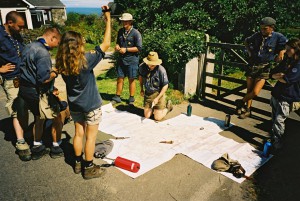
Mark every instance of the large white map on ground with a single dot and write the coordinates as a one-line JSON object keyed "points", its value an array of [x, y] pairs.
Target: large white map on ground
{"points": [[195, 137]]}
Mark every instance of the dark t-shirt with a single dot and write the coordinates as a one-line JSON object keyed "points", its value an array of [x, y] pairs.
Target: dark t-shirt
{"points": [[9, 47], [83, 95], [133, 39], [289, 91], [154, 80], [264, 49]]}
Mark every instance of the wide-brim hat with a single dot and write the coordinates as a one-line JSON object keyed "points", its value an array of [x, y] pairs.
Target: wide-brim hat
{"points": [[152, 59], [126, 17]]}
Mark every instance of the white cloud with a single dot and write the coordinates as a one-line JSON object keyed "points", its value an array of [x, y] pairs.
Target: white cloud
{"points": [[85, 3]]}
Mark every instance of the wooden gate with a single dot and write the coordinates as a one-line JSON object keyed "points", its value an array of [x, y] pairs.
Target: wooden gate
{"points": [[227, 56]]}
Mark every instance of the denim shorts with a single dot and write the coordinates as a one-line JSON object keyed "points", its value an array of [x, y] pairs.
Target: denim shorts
{"points": [[130, 71], [91, 118]]}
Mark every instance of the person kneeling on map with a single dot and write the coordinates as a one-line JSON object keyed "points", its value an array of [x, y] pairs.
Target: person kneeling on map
{"points": [[153, 77]]}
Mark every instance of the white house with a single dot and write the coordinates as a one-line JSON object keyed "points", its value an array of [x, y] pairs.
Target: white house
{"points": [[35, 12]]}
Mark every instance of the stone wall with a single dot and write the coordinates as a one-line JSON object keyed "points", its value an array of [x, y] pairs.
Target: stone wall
{"points": [[59, 16]]}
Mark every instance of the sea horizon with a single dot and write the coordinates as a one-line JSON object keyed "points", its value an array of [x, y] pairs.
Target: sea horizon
{"points": [[84, 10]]}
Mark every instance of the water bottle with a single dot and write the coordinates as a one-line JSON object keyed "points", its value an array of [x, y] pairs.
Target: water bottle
{"points": [[267, 147], [227, 120], [189, 110], [126, 164]]}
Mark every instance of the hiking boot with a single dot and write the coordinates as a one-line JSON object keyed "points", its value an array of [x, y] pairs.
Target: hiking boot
{"points": [[56, 152], [239, 103], [246, 114], [116, 99], [169, 106], [23, 151], [131, 100], [38, 151], [94, 171], [77, 167]]}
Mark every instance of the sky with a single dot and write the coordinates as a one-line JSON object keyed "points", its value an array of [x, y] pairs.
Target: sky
{"points": [[85, 3]]}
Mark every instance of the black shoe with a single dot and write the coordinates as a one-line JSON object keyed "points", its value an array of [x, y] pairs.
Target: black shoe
{"points": [[38, 151], [246, 114], [56, 152], [116, 99], [131, 100], [239, 103]]}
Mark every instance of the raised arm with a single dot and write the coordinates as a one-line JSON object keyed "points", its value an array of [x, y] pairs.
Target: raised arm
{"points": [[107, 34]]}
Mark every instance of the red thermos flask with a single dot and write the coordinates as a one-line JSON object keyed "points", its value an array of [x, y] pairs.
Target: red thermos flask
{"points": [[127, 164]]}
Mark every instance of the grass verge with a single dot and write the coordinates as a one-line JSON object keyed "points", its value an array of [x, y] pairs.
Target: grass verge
{"points": [[107, 88]]}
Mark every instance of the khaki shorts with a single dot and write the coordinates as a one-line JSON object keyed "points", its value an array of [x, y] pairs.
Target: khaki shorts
{"points": [[148, 99], [11, 94], [91, 118]]}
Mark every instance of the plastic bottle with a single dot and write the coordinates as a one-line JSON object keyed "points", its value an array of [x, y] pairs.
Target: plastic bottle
{"points": [[127, 164], [227, 120], [189, 110], [267, 147]]}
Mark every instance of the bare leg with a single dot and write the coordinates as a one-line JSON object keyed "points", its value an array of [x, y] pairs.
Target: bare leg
{"points": [[18, 128], [78, 138], [91, 134], [160, 114], [132, 86], [255, 87], [147, 112], [120, 83], [38, 129], [56, 129]]}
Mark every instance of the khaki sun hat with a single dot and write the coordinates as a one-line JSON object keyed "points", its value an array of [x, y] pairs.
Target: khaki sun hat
{"points": [[126, 17], [152, 59]]}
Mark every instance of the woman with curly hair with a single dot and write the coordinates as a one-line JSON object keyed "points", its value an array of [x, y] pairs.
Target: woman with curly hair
{"points": [[286, 92], [84, 100]]}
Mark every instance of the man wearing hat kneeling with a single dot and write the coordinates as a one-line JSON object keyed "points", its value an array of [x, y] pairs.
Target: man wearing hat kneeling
{"points": [[153, 77]]}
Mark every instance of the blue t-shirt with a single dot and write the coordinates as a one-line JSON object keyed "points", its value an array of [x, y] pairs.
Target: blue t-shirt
{"points": [[154, 80], [289, 91], [10, 52], [264, 49], [131, 39], [83, 95]]}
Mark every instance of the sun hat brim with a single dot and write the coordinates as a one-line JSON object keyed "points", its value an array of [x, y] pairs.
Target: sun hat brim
{"points": [[157, 62]]}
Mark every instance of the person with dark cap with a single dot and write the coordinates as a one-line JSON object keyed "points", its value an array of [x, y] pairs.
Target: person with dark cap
{"points": [[264, 48], [153, 78], [129, 44]]}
